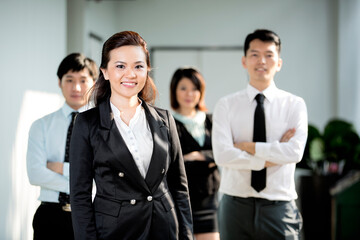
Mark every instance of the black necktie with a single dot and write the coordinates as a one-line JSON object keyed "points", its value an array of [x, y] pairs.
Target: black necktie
{"points": [[258, 178], [64, 198]]}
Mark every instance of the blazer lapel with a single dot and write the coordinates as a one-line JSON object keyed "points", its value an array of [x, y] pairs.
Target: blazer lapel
{"points": [[160, 151], [111, 135]]}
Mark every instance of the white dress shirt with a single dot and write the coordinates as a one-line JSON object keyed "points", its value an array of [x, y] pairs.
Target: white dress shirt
{"points": [[137, 137], [233, 122], [47, 139]]}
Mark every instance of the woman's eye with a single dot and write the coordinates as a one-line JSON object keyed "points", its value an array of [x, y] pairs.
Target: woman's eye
{"points": [[139, 66], [120, 66]]}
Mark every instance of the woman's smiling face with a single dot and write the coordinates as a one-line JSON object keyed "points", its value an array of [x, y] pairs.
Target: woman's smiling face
{"points": [[127, 71], [187, 95]]}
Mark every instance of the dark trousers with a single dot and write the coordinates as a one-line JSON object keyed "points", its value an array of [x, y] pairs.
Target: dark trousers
{"points": [[51, 222], [256, 218]]}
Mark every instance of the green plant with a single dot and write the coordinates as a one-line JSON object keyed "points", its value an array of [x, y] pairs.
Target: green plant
{"points": [[336, 151]]}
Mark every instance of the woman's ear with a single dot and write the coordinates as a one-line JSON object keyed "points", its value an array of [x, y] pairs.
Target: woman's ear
{"points": [[105, 73]]}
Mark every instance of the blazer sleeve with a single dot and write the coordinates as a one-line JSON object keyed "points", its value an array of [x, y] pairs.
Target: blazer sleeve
{"points": [[81, 179], [177, 182]]}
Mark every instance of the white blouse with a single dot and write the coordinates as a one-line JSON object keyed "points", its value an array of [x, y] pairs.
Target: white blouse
{"points": [[137, 136]]}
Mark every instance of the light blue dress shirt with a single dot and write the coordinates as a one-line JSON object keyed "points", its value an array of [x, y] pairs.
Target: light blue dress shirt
{"points": [[47, 137]]}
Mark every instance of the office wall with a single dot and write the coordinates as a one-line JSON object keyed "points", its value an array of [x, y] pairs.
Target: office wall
{"points": [[349, 61], [32, 43], [98, 18]]}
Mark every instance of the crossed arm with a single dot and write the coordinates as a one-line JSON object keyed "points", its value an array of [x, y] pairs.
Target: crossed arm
{"points": [[39, 173], [249, 147], [55, 167]]}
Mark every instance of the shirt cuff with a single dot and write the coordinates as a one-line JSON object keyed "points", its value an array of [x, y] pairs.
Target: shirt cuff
{"points": [[262, 150], [66, 167], [256, 163]]}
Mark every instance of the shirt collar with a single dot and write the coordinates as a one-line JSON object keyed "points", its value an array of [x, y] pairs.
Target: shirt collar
{"points": [[67, 110], [269, 92], [116, 111], [199, 118]]}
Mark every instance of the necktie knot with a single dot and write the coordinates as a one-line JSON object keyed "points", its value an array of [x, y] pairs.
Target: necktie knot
{"points": [[260, 98], [73, 116]]}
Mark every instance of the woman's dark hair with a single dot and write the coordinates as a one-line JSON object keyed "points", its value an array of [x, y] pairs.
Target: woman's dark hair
{"points": [[101, 89], [196, 78], [263, 35], [76, 62]]}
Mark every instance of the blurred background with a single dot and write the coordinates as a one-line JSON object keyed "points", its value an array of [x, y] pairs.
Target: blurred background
{"points": [[320, 50]]}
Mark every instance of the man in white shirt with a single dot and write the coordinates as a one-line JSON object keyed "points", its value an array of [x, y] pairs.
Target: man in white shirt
{"points": [[47, 165], [270, 211]]}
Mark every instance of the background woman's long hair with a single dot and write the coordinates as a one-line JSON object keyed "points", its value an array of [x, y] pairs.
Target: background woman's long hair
{"points": [[101, 90]]}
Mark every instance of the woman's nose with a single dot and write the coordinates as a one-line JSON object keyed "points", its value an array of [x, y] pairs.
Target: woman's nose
{"points": [[130, 73], [189, 93]]}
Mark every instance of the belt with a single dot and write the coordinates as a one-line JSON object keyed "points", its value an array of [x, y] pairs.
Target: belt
{"points": [[262, 201], [65, 208]]}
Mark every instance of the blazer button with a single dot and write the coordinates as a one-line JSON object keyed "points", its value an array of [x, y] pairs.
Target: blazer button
{"points": [[121, 174], [149, 198], [132, 201]]}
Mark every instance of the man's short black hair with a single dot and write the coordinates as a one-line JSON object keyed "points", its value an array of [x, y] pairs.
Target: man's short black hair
{"points": [[76, 62], [263, 35]]}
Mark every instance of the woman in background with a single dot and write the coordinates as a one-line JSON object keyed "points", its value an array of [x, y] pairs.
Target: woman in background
{"points": [[187, 90], [132, 151]]}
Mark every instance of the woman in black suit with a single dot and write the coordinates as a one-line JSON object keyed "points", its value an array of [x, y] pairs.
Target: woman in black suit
{"points": [[132, 151], [187, 91]]}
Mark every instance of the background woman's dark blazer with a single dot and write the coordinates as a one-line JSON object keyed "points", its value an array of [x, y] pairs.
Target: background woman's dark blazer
{"points": [[126, 205], [203, 181]]}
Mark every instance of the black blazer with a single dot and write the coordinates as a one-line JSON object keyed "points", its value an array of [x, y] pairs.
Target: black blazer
{"points": [[126, 205], [203, 181]]}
